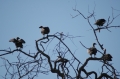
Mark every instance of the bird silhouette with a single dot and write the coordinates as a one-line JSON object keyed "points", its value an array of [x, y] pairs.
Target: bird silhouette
{"points": [[60, 59], [18, 42], [44, 30], [92, 50], [100, 22], [107, 57]]}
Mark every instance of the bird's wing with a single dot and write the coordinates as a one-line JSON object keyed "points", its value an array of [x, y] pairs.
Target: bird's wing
{"points": [[97, 21], [91, 49], [111, 56], [12, 40], [21, 40], [47, 29], [58, 59]]}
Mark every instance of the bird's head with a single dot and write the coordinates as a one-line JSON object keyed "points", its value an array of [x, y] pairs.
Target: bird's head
{"points": [[109, 56], [103, 19], [94, 44], [59, 56], [17, 38], [41, 27]]}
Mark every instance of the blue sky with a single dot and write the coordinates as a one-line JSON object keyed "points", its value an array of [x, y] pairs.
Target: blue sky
{"points": [[23, 17]]}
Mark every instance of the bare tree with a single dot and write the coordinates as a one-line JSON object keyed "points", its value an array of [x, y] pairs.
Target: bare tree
{"points": [[41, 61]]}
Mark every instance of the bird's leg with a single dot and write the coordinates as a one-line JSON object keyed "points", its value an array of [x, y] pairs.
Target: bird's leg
{"points": [[16, 48], [20, 48], [94, 56], [91, 56], [43, 36], [47, 36], [97, 26]]}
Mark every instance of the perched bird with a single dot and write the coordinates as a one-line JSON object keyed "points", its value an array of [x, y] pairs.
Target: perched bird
{"points": [[92, 50], [100, 22], [18, 42], [60, 59], [107, 57], [44, 30]]}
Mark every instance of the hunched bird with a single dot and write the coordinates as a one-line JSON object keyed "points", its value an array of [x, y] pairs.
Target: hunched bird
{"points": [[62, 60], [107, 57], [92, 50], [44, 30], [18, 42], [100, 22]]}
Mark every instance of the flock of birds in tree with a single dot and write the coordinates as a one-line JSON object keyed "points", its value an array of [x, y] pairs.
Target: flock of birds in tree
{"points": [[45, 31]]}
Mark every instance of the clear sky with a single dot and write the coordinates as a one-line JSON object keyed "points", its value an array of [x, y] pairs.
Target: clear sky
{"points": [[23, 17]]}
